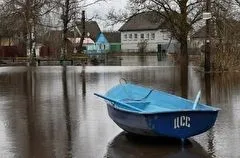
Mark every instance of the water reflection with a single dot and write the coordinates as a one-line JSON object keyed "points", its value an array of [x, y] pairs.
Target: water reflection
{"points": [[83, 76], [222, 90], [132, 146], [52, 112], [30, 82], [210, 133], [184, 80], [67, 113], [208, 88], [142, 59]]}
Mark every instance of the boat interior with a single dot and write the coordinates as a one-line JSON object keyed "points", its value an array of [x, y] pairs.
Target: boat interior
{"points": [[149, 100]]}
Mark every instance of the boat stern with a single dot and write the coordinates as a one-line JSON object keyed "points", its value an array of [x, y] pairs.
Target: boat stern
{"points": [[182, 124]]}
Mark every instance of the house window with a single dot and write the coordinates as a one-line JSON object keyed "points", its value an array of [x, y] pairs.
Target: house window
{"points": [[135, 36], [152, 36], [102, 46], [142, 36], [130, 37], [125, 37], [165, 36], [147, 36]]}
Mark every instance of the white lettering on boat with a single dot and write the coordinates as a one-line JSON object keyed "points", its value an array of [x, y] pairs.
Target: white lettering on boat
{"points": [[182, 121]]}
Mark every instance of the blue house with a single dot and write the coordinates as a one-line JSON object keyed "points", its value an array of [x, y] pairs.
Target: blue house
{"points": [[102, 44]]}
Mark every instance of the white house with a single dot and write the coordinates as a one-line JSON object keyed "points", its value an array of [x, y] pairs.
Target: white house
{"points": [[197, 41], [149, 27], [198, 38]]}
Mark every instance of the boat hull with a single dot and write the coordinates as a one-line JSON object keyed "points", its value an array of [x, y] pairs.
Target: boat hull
{"points": [[177, 124]]}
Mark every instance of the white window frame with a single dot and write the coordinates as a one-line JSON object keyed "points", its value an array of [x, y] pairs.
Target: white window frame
{"points": [[147, 35], [165, 36]]}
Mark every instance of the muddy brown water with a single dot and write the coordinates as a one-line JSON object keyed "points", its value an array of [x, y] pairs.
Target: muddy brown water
{"points": [[50, 111]]}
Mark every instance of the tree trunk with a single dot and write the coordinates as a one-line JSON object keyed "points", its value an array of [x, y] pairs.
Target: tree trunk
{"points": [[24, 42], [184, 67], [184, 30], [184, 52]]}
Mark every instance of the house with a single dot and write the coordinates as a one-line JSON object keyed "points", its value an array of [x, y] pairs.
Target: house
{"points": [[199, 37], [106, 42], [53, 40], [223, 32], [9, 47], [149, 28], [92, 29], [6, 34], [52, 43], [102, 44], [6, 41], [88, 44], [114, 39]]}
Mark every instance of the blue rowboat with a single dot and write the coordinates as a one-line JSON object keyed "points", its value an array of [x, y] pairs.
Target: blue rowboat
{"points": [[146, 111]]}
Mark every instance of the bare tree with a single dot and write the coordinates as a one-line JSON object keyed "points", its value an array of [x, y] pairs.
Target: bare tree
{"points": [[238, 2], [71, 12], [180, 16], [22, 18], [226, 37]]}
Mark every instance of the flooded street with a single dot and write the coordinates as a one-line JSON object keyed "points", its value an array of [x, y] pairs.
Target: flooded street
{"points": [[50, 111]]}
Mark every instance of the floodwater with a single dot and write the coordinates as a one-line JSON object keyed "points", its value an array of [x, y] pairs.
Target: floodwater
{"points": [[50, 111]]}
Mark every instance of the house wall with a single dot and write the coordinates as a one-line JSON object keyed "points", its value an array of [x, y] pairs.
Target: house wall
{"points": [[37, 50], [102, 45], [130, 40], [90, 48], [197, 42], [115, 47], [10, 51], [6, 41]]}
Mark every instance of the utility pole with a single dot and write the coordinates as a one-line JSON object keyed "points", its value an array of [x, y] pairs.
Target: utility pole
{"points": [[83, 31], [208, 40], [66, 19]]}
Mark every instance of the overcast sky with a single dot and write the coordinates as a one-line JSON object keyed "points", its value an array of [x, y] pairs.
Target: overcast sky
{"points": [[103, 8]]}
